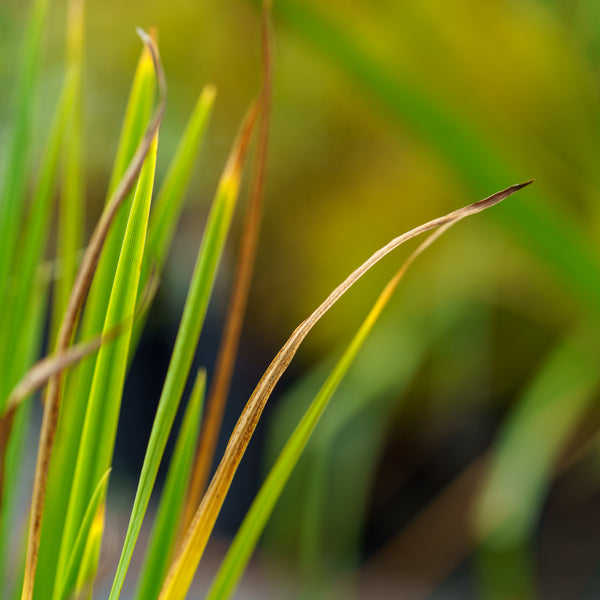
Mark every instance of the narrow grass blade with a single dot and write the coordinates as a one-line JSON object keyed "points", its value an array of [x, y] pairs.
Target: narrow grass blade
{"points": [[192, 547], [529, 446], [78, 294], [70, 215], [65, 587], [168, 517], [14, 427], [539, 224], [219, 390], [169, 200], [248, 534], [137, 114], [102, 413], [350, 437], [192, 319], [127, 165], [170, 197], [18, 307], [84, 586], [15, 175]]}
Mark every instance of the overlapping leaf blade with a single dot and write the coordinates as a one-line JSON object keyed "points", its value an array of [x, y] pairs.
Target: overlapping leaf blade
{"points": [[100, 425], [62, 466], [203, 278], [169, 514]]}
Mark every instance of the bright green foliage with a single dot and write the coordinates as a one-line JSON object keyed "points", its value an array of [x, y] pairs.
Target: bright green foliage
{"points": [[168, 516], [100, 425], [169, 200], [72, 198], [194, 312], [170, 197], [528, 449], [65, 587], [19, 305], [62, 466], [13, 188], [247, 537], [137, 115]]}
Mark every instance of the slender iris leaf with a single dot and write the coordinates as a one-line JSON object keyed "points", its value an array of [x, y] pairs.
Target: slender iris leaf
{"points": [[99, 431], [254, 523], [62, 466], [170, 197], [169, 200], [249, 532], [168, 516], [12, 193], [65, 587], [203, 278], [72, 198]]}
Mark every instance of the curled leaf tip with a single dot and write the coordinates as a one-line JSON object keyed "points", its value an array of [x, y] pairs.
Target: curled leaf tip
{"points": [[494, 198]]}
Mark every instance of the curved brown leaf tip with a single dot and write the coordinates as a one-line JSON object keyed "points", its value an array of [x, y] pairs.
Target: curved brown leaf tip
{"points": [[499, 196]]}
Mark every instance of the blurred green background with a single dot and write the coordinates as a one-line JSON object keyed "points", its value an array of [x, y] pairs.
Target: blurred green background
{"points": [[460, 458]]}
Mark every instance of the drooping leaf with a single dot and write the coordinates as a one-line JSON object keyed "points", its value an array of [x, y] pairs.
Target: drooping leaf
{"points": [[65, 586], [248, 534], [72, 197], [194, 543]]}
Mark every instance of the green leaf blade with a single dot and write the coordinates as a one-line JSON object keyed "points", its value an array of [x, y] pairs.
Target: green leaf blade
{"points": [[66, 586], [99, 431], [19, 303], [171, 195], [79, 382], [254, 523], [14, 181], [168, 516], [203, 278]]}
